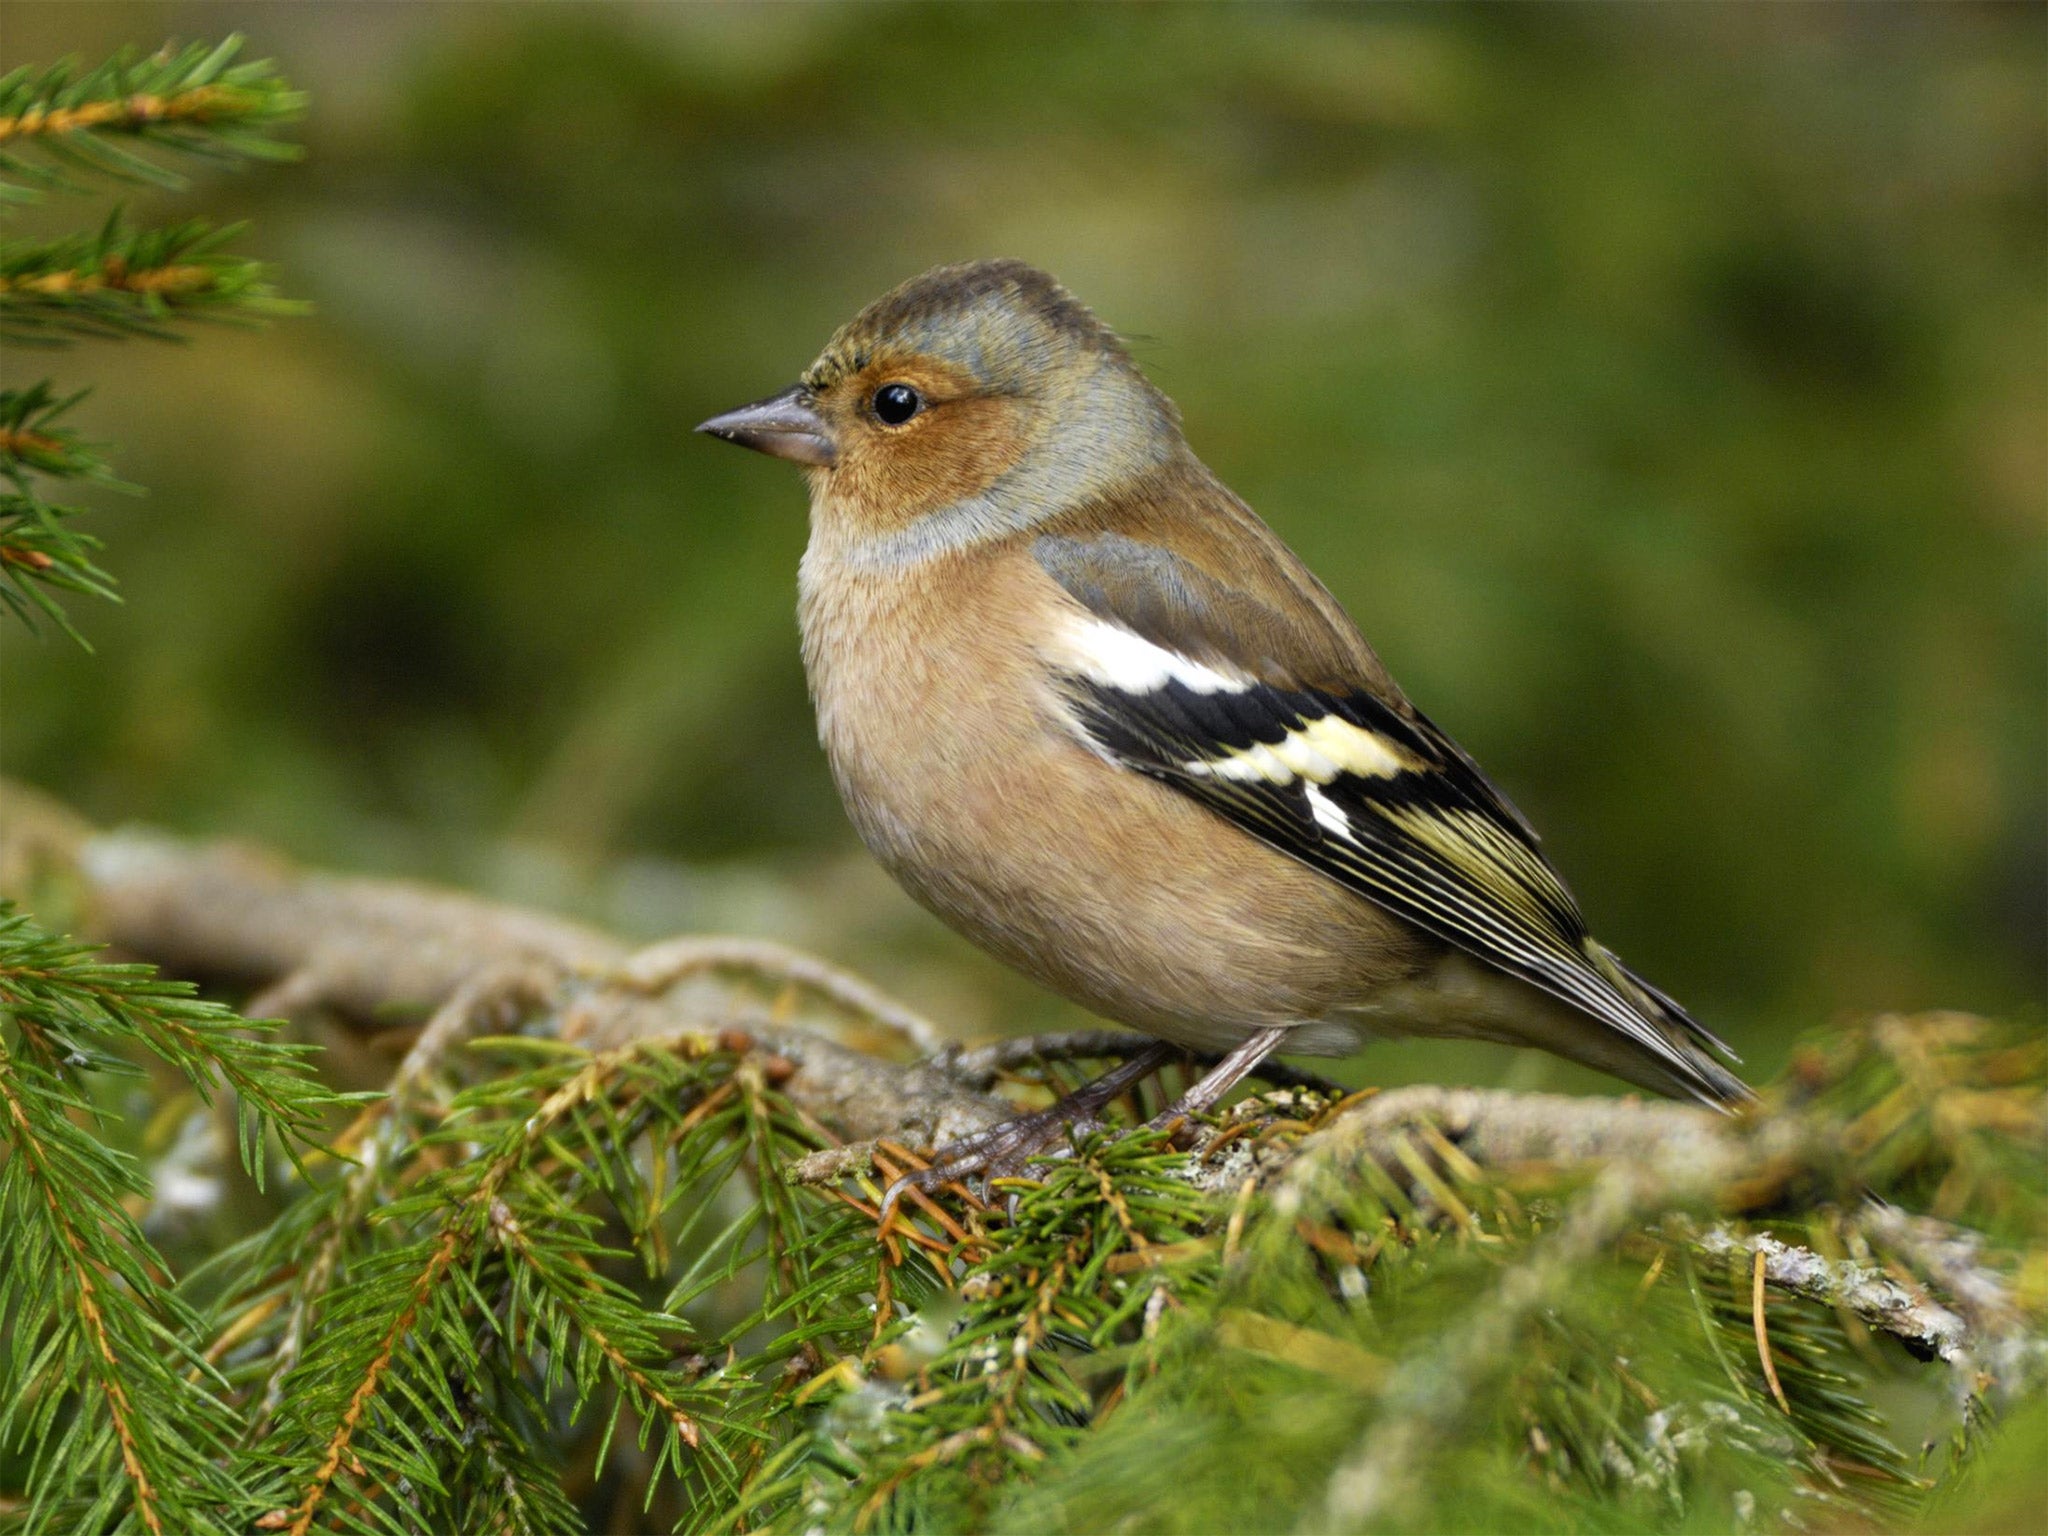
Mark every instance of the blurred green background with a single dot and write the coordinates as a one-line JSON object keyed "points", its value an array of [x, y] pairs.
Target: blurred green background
{"points": [[1663, 389]]}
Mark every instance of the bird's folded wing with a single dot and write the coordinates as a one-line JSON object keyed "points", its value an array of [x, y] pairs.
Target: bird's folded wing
{"points": [[1353, 781]]}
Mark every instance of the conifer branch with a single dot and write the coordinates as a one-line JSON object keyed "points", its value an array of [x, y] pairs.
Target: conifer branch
{"points": [[64, 120], [86, 1277], [440, 1256], [38, 552], [33, 442], [498, 1255], [82, 1294], [131, 282], [1416, 1263], [56, 125], [1430, 1393], [60, 994]]}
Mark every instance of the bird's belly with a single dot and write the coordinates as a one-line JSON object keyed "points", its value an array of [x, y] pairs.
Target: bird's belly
{"points": [[1103, 885], [1116, 922]]}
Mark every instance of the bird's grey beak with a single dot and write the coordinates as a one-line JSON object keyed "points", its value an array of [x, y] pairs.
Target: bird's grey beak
{"points": [[787, 426]]}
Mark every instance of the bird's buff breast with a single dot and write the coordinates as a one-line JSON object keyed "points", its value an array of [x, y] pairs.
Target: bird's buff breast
{"points": [[958, 769]]}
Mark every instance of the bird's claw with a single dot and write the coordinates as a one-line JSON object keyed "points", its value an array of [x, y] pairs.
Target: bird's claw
{"points": [[1001, 1152]]}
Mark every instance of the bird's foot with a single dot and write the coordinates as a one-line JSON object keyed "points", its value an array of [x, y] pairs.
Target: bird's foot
{"points": [[1002, 1151]]}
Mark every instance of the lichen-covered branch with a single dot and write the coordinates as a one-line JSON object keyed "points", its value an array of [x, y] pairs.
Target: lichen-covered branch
{"points": [[1496, 1128], [1920, 1323]]}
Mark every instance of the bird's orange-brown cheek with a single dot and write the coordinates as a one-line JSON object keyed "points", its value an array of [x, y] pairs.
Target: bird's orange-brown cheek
{"points": [[956, 450]]}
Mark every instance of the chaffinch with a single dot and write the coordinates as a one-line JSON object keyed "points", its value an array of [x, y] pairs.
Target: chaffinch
{"points": [[1086, 707]]}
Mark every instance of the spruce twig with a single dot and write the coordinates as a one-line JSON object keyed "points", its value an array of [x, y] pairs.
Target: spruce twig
{"points": [[59, 127], [120, 282], [39, 552], [83, 1291], [63, 121]]}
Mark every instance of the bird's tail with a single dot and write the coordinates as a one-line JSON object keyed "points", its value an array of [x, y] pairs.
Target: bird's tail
{"points": [[1689, 1069]]}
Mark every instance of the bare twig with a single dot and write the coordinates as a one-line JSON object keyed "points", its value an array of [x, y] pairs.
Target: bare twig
{"points": [[375, 946], [2001, 1342], [488, 999], [660, 966], [1951, 1257]]}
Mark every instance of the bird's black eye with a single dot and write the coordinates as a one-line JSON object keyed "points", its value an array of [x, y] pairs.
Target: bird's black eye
{"points": [[897, 403]]}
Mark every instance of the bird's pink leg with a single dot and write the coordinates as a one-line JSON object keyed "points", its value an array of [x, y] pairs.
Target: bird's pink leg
{"points": [[1224, 1076]]}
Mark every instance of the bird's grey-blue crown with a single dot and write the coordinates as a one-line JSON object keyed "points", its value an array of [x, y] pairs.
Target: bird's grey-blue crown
{"points": [[1004, 321]]}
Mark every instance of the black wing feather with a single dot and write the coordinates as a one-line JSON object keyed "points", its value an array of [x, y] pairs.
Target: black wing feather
{"points": [[1437, 844]]}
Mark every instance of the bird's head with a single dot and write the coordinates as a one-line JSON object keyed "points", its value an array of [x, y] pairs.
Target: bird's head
{"points": [[985, 387]]}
